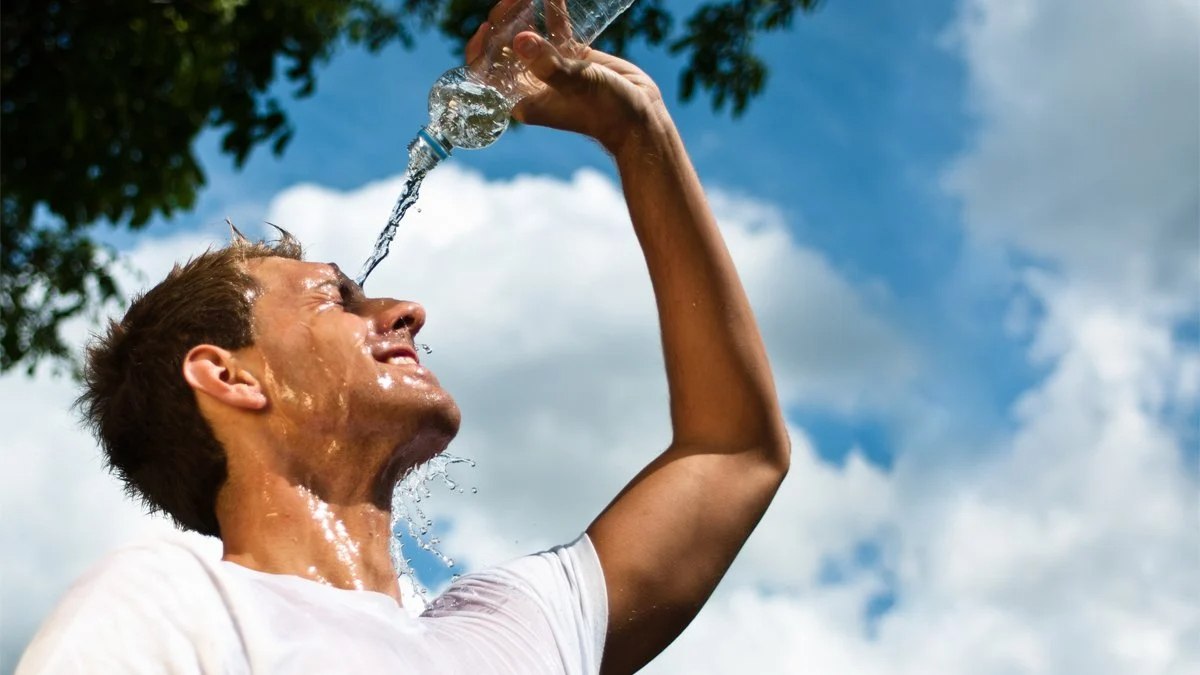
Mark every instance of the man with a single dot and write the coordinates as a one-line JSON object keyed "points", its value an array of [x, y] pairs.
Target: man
{"points": [[263, 399]]}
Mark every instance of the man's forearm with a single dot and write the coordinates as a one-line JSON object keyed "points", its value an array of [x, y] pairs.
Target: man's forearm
{"points": [[722, 393], [670, 535], [668, 538]]}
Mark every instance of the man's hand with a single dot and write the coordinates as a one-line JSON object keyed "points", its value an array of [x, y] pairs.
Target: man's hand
{"points": [[594, 94]]}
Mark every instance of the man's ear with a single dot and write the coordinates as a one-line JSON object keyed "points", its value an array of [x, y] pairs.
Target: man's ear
{"points": [[215, 371]]}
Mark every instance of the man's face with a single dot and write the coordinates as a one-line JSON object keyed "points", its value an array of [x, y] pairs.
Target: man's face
{"points": [[338, 365]]}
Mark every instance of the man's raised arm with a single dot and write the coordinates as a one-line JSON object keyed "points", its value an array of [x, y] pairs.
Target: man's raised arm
{"points": [[670, 535]]}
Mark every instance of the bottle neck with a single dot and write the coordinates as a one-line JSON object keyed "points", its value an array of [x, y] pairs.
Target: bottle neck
{"points": [[436, 141], [427, 150]]}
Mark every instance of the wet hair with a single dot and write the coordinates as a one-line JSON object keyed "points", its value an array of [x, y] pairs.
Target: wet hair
{"points": [[135, 400]]}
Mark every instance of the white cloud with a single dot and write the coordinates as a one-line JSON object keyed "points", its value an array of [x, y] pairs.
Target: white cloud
{"points": [[821, 512], [746, 631], [1087, 162], [1073, 550], [1087, 149], [1074, 547]]}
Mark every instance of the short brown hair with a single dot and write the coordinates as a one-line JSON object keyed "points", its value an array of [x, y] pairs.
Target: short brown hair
{"points": [[135, 399]]}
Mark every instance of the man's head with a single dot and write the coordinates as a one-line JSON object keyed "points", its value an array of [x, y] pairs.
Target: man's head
{"points": [[250, 350]]}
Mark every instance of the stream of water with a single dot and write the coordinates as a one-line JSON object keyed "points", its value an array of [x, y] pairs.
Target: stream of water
{"points": [[408, 197]]}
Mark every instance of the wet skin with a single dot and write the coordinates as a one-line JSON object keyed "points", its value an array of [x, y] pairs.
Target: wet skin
{"points": [[319, 418], [342, 364]]}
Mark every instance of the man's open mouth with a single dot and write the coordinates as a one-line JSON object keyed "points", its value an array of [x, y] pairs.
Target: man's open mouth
{"points": [[396, 354]]}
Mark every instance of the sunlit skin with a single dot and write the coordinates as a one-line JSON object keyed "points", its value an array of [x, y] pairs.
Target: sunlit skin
{"points": [[319, 418]]}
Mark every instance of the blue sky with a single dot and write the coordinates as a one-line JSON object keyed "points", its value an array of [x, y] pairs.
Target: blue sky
{"points": [[971, 232]]}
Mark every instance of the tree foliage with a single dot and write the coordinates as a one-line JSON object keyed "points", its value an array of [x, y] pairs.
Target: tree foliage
{"points": [[102, 100]]}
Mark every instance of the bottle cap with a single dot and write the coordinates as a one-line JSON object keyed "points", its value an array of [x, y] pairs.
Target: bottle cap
{"points": [[437, 142]]}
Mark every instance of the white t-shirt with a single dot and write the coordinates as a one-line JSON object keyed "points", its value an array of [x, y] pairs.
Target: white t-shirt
{"points": [[164, 607]]}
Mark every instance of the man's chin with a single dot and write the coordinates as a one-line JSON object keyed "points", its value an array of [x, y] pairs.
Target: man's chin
{"points": [[429, 439], [427, 427], [444, 420]]}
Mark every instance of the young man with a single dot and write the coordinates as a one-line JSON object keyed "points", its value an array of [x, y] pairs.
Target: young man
{"points": [[263, 399]]}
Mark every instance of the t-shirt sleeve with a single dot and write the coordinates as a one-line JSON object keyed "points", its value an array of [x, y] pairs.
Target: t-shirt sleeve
{"points": [[546, 612], [146, 609]]}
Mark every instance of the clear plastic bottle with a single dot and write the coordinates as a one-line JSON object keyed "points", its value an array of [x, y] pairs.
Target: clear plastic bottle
{"points": [[469, 106]]}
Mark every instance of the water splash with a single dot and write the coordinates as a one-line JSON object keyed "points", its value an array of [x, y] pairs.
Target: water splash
{"points": [[409, 517]]}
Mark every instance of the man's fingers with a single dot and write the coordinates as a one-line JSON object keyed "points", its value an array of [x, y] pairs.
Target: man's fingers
{"points": [[501, 9], [475, 44], [543, 60], [558, 21], [565, 78]]}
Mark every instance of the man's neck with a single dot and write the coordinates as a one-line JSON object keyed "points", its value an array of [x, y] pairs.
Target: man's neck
{"points": [[280, 526]]}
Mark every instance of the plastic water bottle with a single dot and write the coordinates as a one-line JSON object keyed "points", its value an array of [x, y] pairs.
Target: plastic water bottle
{"points": [[469, 106]]}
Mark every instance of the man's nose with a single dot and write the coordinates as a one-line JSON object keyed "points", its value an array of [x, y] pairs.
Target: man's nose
{"points": [[398, 315]]}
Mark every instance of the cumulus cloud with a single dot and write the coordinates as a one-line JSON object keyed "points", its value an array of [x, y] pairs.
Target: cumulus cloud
{"points": [[1073, 546], [1086, 152]]}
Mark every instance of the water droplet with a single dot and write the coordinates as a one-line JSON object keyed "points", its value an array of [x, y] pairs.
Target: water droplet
{"points": [[474, 491]]}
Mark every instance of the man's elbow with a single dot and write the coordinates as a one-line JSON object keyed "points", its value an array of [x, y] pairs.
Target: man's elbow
{"points": [[777, 451], [770, 442], [772, 447]]}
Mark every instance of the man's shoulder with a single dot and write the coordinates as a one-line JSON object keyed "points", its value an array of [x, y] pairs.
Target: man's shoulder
{"points": [[563, 585], [148, 572], [137, 592], [572, 564], [549, 606], [175, 553]]}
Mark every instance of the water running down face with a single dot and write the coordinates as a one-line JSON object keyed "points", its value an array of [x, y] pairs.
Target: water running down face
{"points": [[342, 373]]}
